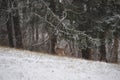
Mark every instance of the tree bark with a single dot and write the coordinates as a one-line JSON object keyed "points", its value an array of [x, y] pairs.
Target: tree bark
{"points": [[10, 26], [102, 47], [87, 53], [114, 57], [10, 31], [53, 42], [53, 37], [18, 34], [16, 22]]}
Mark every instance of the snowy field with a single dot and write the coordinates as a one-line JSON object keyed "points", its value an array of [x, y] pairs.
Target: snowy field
{"points": [[25, 65]]}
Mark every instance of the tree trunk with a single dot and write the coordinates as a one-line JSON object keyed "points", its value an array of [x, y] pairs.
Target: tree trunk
{"points": [[53, 37], [10, 31], [53, 42], [10, 26], [114, 56], [89, 52], [102, 47], [86, 53], [18, 34]]}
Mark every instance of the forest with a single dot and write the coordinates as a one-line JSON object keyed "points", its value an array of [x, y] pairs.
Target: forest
{"points": [[88, 29]]}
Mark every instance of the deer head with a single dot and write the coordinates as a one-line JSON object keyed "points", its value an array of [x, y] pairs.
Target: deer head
{"points": [[60, 51]]}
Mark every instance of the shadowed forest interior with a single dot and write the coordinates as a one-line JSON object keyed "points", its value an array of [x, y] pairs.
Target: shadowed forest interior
{"points": [[88, 29]]}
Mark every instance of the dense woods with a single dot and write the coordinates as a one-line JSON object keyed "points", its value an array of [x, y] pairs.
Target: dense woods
{"points": [[87, 29]]}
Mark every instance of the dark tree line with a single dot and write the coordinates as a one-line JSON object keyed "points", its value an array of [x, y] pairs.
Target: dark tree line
{"points": [[89, 28]]}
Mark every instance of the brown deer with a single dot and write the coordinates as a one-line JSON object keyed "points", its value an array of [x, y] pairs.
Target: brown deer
{"points": [[60, 51]]}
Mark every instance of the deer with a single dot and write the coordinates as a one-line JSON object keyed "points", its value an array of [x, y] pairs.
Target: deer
{"points": [[60, 51]]}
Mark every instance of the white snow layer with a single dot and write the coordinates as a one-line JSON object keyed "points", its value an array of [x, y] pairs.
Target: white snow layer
{"points": [[25, 65]]}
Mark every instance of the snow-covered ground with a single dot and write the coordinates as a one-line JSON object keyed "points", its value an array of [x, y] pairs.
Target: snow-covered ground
{"points": [[25, 65]]}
